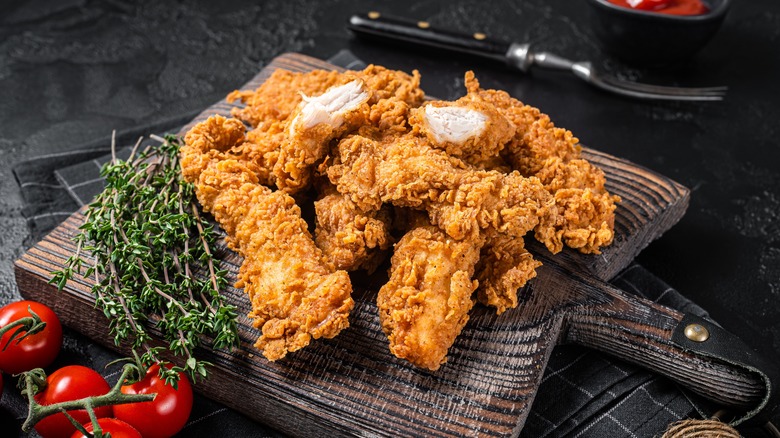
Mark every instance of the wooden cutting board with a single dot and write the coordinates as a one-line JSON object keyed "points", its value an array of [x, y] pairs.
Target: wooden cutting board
{"points": [[352, 385]]}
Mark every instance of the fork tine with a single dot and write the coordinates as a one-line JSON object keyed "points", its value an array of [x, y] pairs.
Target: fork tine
{"points": [[676, 91], [584, 70], [654, 95]]}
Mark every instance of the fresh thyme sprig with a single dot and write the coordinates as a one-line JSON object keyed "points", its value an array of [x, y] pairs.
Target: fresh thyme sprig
{"points": [[147, 242]]}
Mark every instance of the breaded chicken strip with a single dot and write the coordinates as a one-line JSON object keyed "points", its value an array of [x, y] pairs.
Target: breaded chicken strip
{"points": [[295, 293], [315, 122], [536, 137], [586, 211], [425, 304], [209, 142], [584, 215], [295, 115], [405, 171], [467, 128], [339, 110], [504, 267], [279, 95], [349, 237]]}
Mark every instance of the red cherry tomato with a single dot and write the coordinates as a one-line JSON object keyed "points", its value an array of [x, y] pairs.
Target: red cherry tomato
{"points": [[166, 414], [70, 383], [117, 429], [34, 351]]}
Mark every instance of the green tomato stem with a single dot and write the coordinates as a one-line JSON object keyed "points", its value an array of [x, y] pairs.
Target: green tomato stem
{"points": [[36, 412], [28, 325]]}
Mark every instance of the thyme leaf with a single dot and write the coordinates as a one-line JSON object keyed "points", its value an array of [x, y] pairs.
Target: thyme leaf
{"points": [[152, 262]]}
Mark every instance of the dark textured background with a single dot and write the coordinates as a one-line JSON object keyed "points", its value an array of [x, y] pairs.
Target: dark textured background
{"points": [[73, 70]]}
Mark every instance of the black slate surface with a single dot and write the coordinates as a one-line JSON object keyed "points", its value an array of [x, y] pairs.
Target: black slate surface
{"points": [[73, 70]]}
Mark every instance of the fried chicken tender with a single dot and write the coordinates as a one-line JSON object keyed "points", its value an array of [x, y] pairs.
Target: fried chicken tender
{"points": [[339, 110], [584, 215], [315, 122], [349, 237], [425, 304], [270, 109], [280, 94], [467, 128], [536, 137], [297, 114], [405, 171], [295, 294], [504, 267], [465, 181], [207, 143]]}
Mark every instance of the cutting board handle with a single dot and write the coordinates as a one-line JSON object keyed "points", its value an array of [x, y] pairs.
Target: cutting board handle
{"points": [[694, 352]]}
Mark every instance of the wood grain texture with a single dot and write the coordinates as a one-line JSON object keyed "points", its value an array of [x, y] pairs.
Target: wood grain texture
{"points": [[352, 385]]}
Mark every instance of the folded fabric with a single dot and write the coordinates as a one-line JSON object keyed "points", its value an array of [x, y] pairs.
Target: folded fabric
{"points": [[55, 185], [583, 393]]}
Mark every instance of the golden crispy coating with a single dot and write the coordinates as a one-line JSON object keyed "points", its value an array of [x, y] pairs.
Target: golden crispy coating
{"points": [[425, 304], [542, 141], [207, 142], [405, 171], [262, 150], [467, 128], [280, 95], [295, 293], [349, 237], [583, 217], [295, 115], [536, 137], [270, 109], [387, 117], [316, 121], [219, 138], [504, 267], [586, 211], [391, 84]]}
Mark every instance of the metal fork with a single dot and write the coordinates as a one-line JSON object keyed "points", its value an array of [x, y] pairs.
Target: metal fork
{"points": [[393, 29], [521, 56]]}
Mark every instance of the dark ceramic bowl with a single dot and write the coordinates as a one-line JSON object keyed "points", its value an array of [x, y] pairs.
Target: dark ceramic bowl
{"points": [[651, 38]]}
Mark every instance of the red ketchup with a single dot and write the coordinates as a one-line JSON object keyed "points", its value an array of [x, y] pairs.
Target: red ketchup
{"points": [[673, 7]]}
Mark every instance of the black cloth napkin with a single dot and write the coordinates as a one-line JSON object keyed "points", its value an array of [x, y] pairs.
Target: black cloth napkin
{"points": [[55, 185], [583, 393]]}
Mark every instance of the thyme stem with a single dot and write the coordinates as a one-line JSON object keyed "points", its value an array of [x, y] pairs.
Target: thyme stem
{"points": [[153, 265]]}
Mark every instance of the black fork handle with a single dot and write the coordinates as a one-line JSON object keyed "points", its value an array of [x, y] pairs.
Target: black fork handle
{"points": [[420, 33]]}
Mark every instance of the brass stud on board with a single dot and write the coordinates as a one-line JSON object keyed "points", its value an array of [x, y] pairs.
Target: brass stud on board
{"points": [[696, 332], [479, 36], [373, 15], [423, 24]]}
